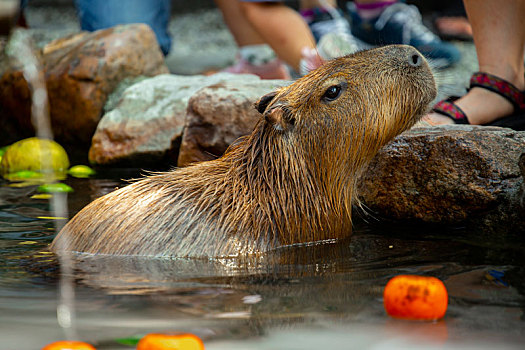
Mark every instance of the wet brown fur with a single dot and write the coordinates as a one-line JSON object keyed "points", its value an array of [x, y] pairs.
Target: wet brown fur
{"points": [[291, 181]]}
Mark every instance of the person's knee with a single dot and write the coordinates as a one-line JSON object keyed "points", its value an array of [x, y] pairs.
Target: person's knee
{"points": [[248, 9]]}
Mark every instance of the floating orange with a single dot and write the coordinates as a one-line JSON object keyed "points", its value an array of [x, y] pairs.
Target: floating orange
{"points": [[415, 297], [155, 341], [68, 345]]}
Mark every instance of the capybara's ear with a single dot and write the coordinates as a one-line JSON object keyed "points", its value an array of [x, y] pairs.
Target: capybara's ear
{"points": [[264, 101]]}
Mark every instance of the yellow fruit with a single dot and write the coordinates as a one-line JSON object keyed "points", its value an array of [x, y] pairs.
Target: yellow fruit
{"points": [[35, 154]]}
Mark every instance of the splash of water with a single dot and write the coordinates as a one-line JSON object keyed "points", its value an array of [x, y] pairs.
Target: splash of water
{"points": [[21, 50]]}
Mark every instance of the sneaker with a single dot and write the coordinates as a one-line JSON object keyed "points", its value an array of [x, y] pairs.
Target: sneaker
{"points": [[275, 69], [325, 20], [402, 24], [311, 60], [331, 32], [331, 45]]}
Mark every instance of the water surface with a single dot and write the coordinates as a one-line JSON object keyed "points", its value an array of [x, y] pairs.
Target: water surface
{"points": [[306, 297]]}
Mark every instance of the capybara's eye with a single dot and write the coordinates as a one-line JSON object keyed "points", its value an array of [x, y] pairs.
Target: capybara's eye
{"points": [[332, 93]]}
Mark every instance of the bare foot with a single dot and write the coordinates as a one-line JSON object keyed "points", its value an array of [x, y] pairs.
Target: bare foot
{"points": [[480, 105]]}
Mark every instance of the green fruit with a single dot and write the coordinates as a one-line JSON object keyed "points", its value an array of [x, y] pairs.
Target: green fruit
{"points": [[2, 152], [33, 154], [54, 188], [23, 175], [81, 171]]}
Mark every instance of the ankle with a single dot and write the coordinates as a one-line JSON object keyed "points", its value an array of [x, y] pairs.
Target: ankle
{"points": [[512, 74]]}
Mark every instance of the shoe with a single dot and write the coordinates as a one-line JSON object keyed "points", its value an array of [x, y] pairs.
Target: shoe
{"points": [[333, 45], [310, 61], [331, 32], [402, 24], [325, 20], [275, 69], [497, 85]]}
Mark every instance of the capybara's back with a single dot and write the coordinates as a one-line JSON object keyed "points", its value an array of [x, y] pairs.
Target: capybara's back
{"points": [[291, 180]]}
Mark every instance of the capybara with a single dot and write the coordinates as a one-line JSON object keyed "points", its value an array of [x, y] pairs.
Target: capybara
{"points": [[292, 180]]}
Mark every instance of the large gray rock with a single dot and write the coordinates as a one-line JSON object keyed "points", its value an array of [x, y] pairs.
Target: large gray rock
{"points": [[449, 175], [147, 124], [218, 115]]}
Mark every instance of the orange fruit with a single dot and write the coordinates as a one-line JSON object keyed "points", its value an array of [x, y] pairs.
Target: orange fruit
{"points": [[415, 297], [155, 341], [68, 345]]}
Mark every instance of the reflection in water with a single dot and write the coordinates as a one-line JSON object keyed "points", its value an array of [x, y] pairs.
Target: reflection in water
{"points": [[21, 50]]}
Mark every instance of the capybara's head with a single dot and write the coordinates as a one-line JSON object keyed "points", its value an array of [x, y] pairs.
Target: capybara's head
{"points": [[343, 112]]}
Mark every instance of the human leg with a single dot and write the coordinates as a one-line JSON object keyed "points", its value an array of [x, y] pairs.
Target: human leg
{"points": [[323, 17], [100, 14], [282, 28], [329, 28], [240, 28], [499, 37], [254, 56]]}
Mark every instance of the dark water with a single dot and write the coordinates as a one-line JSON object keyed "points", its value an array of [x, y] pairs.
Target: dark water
{"points": [[322, 296]]}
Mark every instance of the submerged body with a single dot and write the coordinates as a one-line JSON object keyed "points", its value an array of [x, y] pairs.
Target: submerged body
{"points": [[291, 181]]}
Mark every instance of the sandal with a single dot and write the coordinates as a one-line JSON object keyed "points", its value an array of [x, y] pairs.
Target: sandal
{"points": [[497, 85]]}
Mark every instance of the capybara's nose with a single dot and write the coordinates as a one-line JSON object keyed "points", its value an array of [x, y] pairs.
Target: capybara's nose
{"points": [[415, 59], [404, 56]]}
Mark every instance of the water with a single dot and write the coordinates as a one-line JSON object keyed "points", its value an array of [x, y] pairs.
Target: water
{"points": [[21, 51], [328, 295]]}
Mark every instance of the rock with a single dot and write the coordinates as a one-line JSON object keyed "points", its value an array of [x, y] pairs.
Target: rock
{"points": [[80, 72], [448, 175], [218, 115], [522, 169], [147, 123], [116, 95]]}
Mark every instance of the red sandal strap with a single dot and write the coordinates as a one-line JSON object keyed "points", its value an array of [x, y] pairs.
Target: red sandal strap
{"points": [[449, 109], [501, 87]]}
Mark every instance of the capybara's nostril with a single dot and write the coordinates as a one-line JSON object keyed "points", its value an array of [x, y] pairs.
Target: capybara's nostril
{"points": [[415, 60]]}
